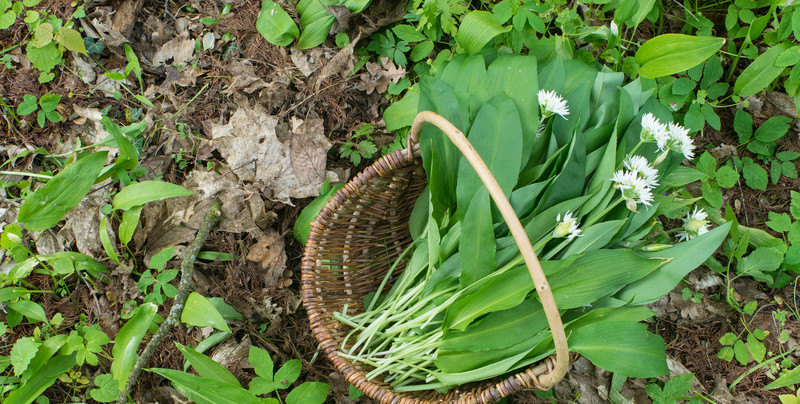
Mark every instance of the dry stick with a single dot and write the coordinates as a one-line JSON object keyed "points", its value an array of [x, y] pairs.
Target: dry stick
{"points": [[187, 267]]}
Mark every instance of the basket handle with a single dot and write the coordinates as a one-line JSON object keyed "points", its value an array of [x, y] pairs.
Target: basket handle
{"points": [[559, 370]]}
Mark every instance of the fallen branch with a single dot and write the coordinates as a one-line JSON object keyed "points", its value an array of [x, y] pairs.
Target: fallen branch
{"points": [[187, 267]]}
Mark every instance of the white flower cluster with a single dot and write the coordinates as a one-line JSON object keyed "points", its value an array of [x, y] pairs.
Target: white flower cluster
{"points": [[568, 227], [694, 225], [637, 183], [669, 137], [551, 103]]}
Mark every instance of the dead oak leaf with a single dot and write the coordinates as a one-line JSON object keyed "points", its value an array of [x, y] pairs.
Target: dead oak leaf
{"points": [[271, 253], [293, 168], [378, 77], [180, 50]]}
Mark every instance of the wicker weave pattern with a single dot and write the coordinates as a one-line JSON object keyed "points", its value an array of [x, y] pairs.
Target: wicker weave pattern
{"points": [[361, 232]]}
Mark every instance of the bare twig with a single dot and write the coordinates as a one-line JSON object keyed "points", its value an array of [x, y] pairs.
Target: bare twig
{"points": [[187, 267]]}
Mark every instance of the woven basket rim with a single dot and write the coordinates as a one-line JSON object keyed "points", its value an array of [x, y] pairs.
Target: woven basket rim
{"points": [[526, 378]]}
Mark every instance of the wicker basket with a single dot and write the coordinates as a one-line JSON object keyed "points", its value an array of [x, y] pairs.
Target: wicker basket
{"points": [[363, 229]]}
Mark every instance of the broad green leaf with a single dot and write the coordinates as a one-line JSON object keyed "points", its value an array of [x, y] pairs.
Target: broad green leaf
{"points": [[761, 73], [44, 58], [594, 237], [683, 258], [673, 53], [45, 207], [789, 57], [40, 381], [23, 351], [275, 24], [143, 192], [761, 260], [207, 367], [315, 33], [127, 342], [207, 391], [421, 50], [28, 106], [794, 207], [31, 310], [743, 125], [499, 329], [302, 226], [712, 194], [13, 292], [477, 243], [756, 348], [71, 40], [604, 343], [199, 312], [401, 113], [598, 274], [288, 373], [308, 393], [105, 239], [787, 379], [49, 102], [477, 29], [727, 177], [516, 77], [755, 176], [130, 220]]}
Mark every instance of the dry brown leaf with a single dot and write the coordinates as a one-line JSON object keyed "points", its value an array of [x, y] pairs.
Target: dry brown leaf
{"points": [[83, 225], [270, 252], [179, 50], [243, 78], [309, 61], [378, 77], [291, 169]]}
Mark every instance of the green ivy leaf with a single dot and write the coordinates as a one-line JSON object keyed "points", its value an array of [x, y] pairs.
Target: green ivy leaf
{"points": [[107, 388], [44, 58], [28, 106]]}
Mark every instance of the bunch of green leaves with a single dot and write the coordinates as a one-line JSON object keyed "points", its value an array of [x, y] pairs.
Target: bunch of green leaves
{"points": [[673, 389], [50, 36], [698, 93], [753, 24], [215, 384], [316, 20], [360, 145], [744, 351], [134, 67], [713, 178], [159, 279], [47, 105], [763, 143], [465, 266]]}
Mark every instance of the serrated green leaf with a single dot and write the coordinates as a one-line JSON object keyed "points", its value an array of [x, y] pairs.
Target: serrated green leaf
{"points": [[780, 222], [143, 192], [408, 33], [789, 57], [262, 363], [683, 86], [198, 311], [711, 116], [23, 351], [44, 58], [773, 129], [727, 177], [41, 380], [673, 53], [421, 50], [755, 176], [743, 125], [712, 194], [694, 118], [45, 207], [275, 24]]}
